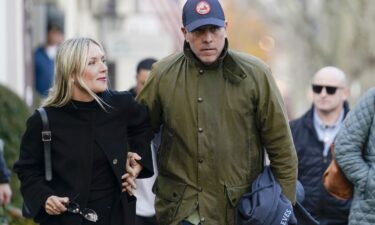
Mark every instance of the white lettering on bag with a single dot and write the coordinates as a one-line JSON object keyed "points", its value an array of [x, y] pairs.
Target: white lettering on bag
{"points": [[286, 215]]}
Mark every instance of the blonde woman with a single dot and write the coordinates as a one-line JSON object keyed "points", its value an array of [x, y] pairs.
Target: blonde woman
{"points": [[91, 128]]}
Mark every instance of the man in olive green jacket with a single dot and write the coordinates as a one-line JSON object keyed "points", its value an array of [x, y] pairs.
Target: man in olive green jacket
{"points": [[219, 110]]}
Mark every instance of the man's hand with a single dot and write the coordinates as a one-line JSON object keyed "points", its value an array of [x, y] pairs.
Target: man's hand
{"points": [[133, 168], [5, 193], [132, 165], [56, 205]]}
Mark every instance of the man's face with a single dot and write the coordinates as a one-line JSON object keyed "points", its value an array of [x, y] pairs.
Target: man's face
{"points": [[206, 42], [141, 79], [55, 37], [329, 91]]}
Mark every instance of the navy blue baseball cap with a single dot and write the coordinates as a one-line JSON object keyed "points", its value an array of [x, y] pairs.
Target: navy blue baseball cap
{"points": [[197, 13]]}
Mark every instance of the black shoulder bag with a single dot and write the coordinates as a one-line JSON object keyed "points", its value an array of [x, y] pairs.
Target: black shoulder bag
{"points": [[46, 138]]}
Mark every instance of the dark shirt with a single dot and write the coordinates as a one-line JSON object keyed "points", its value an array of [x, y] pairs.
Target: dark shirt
{"points": [[102, 180]]}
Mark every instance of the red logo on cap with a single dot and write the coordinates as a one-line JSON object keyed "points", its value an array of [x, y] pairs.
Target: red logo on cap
{"points": [[203, 8]]}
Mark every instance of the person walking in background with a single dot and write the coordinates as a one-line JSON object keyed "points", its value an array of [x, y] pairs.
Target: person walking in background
{"points": [[313, 133], [219, 109], [354, 152], [91, 127], [143, 72], [44, 58], [5, 190], [145, 209]]}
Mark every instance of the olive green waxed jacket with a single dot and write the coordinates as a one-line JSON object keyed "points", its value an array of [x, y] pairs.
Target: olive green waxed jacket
{"points": [[216, 121]]}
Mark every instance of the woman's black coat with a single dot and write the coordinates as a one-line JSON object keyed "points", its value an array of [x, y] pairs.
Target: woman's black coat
{"points": [[75, 130]]}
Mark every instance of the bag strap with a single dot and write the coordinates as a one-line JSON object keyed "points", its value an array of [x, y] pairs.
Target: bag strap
{"points": [[46, 138], [264, 157], [332, 150]]}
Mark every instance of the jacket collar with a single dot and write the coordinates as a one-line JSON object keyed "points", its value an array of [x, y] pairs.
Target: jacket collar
{"points": [[231, 70], [73, 105]]}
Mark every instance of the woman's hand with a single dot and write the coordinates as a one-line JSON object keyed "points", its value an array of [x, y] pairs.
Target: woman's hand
{"points": [[128, 184], [56, 205], [133, 168]]}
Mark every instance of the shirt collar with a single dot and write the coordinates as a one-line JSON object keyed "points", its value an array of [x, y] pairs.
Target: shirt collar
{"points": [[319, 123]]}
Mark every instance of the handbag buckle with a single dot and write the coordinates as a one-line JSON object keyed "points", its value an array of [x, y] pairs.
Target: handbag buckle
{"points": [[46, 135]]}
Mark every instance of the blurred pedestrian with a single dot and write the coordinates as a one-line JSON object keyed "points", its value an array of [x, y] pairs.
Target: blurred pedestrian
{"points": [[90, 127], [143, 72], [5, 190], [313, 133], [354, 152], [44, 58], [219, 109], [145, 209]]}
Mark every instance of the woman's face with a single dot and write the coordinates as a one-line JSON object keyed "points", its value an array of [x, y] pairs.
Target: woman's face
{"points": [[94, 75]]}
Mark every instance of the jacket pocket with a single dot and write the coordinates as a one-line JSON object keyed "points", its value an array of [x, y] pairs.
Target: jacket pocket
{"points": [[169, 194], [369, 192], [234, 194]]}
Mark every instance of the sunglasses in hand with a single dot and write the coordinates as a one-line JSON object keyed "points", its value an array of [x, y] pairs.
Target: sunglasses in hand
{"points": [[88, 214]]}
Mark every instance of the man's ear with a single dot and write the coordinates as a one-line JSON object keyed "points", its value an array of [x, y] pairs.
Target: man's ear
{"points": [[226, 28], [226, 25], [184, 32]]}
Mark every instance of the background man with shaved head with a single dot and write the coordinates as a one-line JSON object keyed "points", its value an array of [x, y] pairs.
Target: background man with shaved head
{"points": [[313, 133]]}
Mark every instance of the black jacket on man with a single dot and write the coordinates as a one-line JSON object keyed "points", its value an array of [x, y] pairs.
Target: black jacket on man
{"points": [[76, 128], [311, 166]]}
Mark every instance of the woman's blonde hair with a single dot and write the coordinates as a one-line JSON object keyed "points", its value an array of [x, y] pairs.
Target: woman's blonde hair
{"points": [[70, 63]]}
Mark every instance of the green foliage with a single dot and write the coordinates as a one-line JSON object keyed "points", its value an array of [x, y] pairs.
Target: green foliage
{"points": [[13, 115], [10, 215]]}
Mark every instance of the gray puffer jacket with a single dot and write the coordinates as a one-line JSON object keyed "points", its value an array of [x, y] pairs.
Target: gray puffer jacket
{"points": [[355, 153]]}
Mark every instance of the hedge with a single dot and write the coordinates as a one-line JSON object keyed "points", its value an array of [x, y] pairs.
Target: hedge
{"points": [[13, 115]]}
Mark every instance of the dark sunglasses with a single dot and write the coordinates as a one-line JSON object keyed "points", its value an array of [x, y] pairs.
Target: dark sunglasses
{"points": [[87, 213], [317, 89]]}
